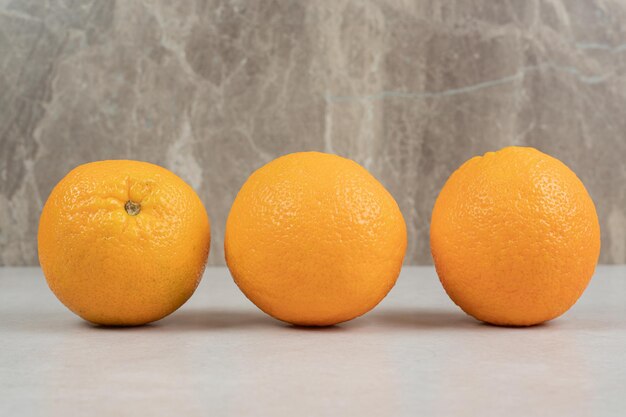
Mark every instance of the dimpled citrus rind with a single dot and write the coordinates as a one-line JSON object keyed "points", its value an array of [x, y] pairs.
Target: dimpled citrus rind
{"points": [[515, 237], [313, 239], [111, 267]]}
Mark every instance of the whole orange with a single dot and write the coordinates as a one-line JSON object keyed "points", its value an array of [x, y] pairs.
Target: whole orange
{"points": [[123, 242], [515, 237], [314, 239]]}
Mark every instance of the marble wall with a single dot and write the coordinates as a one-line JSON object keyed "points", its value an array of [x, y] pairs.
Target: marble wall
{"points": [[214, 89]]}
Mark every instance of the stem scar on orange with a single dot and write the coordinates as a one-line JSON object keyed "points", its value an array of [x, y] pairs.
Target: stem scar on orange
{"points": [[515, 237], [314, 239], [123, 242]]}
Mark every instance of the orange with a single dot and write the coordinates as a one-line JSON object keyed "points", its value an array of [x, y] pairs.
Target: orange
{"points": [[123, 242], [515, 237], [313, 239]]}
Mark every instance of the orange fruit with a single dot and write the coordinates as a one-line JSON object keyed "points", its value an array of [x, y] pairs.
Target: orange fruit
{"points": [[123, 242], [515, 237], [314, 239]]}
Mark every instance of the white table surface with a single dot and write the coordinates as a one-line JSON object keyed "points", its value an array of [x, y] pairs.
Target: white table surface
{"points": [[415, 354]]}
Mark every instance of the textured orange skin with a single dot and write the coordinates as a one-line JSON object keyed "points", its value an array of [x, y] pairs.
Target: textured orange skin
{"points": [[313, 239], [515, 237], [112, 268]]}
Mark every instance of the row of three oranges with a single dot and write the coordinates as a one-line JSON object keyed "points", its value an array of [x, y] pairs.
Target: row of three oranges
{"points": [[314, 239]]}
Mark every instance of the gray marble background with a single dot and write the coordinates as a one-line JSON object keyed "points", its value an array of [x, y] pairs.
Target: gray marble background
{"points": [[212, 90]]}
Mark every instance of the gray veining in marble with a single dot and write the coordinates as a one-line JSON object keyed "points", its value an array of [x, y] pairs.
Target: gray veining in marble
{"points": [[214, 89]]}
